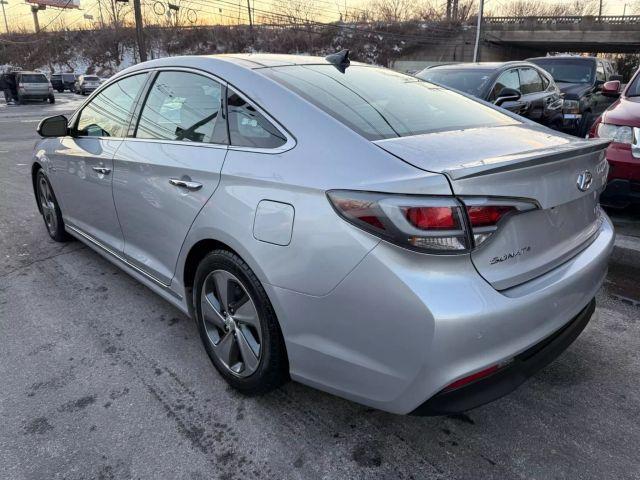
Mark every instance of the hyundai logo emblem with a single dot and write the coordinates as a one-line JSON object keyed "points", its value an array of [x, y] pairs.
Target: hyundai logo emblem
{"points": [[585, 179]]}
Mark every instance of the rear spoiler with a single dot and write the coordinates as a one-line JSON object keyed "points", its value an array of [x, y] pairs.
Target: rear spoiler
{"points": [[526, 159]]}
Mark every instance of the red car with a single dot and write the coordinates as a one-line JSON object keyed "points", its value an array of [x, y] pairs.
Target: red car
{"points": [[621, 123]]}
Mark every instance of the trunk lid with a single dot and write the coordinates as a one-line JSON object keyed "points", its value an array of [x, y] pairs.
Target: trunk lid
{"points": [[526, 163]]}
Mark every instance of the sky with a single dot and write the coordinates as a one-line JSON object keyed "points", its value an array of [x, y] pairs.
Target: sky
{"points": [[19, 16]]}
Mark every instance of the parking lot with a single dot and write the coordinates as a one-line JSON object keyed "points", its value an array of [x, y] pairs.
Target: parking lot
{"points": [[103, 379]]}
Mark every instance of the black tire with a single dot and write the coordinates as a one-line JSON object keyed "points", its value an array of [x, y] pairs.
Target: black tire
{"points": [[52, 99], [273, 367], [51, 213], [60, 90]]}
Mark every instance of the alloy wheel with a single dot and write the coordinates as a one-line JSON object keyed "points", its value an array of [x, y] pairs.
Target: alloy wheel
{"points": [[231, 322]]}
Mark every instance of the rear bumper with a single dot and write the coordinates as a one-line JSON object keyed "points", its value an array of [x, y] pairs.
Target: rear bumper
{"points": [[523, 366], [402, 326]]}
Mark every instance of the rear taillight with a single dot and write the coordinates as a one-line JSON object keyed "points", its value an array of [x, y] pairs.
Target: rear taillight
{"points": [[428, 224], [485, 214]]}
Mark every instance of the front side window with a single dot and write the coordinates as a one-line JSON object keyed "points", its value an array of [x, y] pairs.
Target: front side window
{"points": [[248, 127], [530, 81], [600, 75], [379, 103], [183, 106], [508, 79], [108, 113]]}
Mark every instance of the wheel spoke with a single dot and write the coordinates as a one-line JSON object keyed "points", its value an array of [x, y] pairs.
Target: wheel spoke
{"points": [[249, 358], [247, 313], [224, 348], [210, 312], [221, 281]]}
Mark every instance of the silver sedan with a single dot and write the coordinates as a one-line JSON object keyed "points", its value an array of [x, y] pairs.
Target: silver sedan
{"points": [[349, 227]]}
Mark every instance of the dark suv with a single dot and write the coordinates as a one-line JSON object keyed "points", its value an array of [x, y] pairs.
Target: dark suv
{"points": [[519, 87], [63, 81], [581, 80]]}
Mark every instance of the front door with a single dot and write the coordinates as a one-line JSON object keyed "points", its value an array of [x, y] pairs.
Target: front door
{"points": [[167, 173], [83, 162]]}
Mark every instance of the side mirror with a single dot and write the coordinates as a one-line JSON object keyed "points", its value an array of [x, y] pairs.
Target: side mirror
{"points": [[611, 88], [53, 126], [615, 77], [507, 95]]}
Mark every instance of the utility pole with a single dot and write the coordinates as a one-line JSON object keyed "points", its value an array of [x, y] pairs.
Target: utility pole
{"points": [[4, 14], [476, 50], [34, 12], [600, 11], [101, 17], [139, 33], [250, 20]]}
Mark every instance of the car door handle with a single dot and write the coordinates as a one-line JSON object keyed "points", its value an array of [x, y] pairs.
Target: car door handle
{"points": [[189, 185], [102, 170]]}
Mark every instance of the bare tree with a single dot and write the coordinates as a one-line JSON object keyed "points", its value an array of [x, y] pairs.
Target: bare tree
{"points": [[395, 10]]}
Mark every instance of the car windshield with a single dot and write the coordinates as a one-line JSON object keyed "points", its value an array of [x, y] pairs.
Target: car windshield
{"points": [[379, 103], [68, 77], [90, 78], [33, 78], [472, 81], [569, 70]]}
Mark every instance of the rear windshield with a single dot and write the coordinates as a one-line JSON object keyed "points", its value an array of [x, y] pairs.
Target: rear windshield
{"points": [[568, 70], [471, 81], [33, 78], [380, 103], [68, 77]]}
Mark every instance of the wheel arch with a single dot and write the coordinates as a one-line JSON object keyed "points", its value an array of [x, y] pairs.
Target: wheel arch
{"points": [[35, 168]]}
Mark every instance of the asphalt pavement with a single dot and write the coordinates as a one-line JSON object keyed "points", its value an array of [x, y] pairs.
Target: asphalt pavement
{"points": [[102, 379]]}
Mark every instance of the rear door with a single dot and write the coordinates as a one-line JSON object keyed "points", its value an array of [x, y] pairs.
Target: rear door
{"points": [[167, 172], [83, 163]]}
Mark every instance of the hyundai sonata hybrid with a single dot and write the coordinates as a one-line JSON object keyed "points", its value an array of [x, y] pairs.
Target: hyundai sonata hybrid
{"points": [[355, 229]]}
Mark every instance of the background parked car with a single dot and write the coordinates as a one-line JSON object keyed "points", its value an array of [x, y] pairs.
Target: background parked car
{"points": [[63, 81], [580, 79], [86, 84], [621, 123], [27, 85], [520, 87]]}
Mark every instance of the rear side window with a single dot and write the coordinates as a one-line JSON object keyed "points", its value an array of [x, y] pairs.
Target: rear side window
{"points": [[33, 78], [379, 103], [248, 127], [530, 81], [183, 106], [107, 115]]}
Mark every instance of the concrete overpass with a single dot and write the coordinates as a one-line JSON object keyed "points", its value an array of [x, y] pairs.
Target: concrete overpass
{"points": [[517, 38], [615, 34]]}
